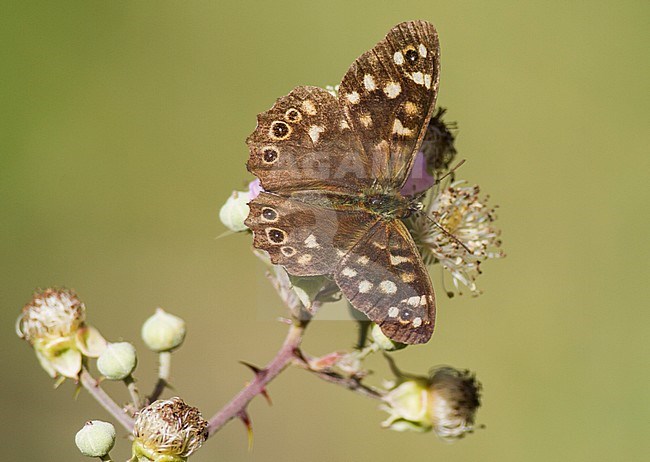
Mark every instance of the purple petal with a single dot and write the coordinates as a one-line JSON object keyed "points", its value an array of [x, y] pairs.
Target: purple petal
{"points": [[255, 188], [419, 180]]}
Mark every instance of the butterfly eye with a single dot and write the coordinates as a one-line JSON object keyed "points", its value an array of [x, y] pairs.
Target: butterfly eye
{"points": [[269, 214], [411, 56], [406, 314], [269, 155], [276, 235], [280, 130]]}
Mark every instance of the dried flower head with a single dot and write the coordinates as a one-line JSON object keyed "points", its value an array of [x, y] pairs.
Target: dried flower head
{"points": [[434, 157], [168, 430], [446, 402], [52, 313], [457, 230], [455, 397], [438, 143], [53, 322]]}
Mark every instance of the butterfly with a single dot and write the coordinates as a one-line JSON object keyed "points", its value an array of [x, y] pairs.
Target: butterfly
{"points": [[332, 168]]}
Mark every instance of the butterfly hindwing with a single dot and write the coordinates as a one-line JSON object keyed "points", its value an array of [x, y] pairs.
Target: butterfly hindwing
{"points": [[305, 142], [384, 277], [388, 96], [306, 239]]}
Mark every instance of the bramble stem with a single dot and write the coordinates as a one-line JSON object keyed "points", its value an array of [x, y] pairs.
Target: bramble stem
{"points": [[164, 370], [281, 360], [351, 383], [90, 384], [133, 391]]}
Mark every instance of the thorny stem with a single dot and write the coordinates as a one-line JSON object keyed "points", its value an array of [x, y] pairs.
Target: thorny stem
{"points": [[352, 383], [164, 369], [90, 384], [237, 406]]}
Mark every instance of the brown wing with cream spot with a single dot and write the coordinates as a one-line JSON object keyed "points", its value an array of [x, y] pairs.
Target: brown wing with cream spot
{"points": [[388, 96], [308, 240], [304, 142], [384, 277]]}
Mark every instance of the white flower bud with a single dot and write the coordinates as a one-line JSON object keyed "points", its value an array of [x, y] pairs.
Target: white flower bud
{"points": [[383, 342], [163, 331], [117, 361], [235, 210], [96, 438]]}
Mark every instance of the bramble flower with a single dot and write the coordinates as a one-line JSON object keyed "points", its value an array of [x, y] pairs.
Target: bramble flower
{"points": [[168, 431], [95, 439], [53, 322], [446, 403], [255, 188], [456, 229], [419, 180]]}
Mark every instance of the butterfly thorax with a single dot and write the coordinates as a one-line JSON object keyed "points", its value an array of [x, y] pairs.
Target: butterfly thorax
{"points": [[385, 202], [389, 205]]}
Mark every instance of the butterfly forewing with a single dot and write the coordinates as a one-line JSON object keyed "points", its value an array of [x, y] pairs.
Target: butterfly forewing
{"points": [[305, 142], [384, 277], [307, 240], [388, 96]]}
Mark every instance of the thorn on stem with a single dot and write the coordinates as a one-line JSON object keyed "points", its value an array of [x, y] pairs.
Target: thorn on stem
{"points": [[265, 393], [259, 373], [245, 418]]}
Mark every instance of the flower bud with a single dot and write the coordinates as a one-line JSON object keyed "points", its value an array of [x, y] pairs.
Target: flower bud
{"points": [[168, 430], [235, 210], [383, 342], [53, 322], [96, 438], [163, 331], [118, 361]]}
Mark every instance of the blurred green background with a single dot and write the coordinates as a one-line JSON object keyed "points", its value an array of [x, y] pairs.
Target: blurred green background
{"points": [[123, 127]]}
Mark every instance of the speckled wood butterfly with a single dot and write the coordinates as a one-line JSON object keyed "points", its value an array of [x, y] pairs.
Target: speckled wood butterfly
{"points": [[332, 168]]}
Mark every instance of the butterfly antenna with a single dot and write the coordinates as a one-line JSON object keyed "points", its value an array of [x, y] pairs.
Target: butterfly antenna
{"points": [[451, 171], [448, 234]]}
